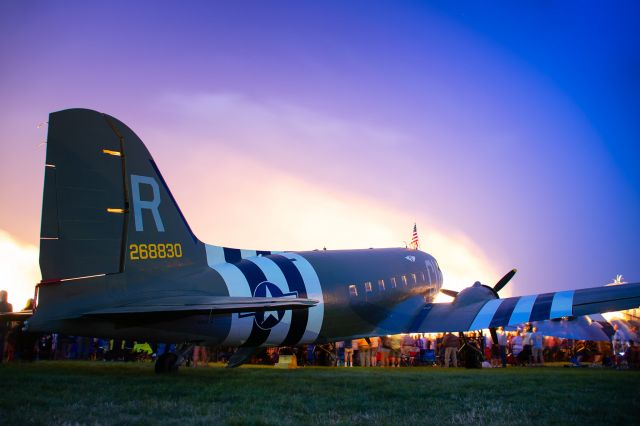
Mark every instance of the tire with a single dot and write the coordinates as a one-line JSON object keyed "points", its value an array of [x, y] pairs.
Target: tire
{"points": [[166, 363]]}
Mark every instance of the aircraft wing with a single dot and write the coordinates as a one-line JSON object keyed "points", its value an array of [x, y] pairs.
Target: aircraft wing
{"points": [[189, 305], [442, 317], [15, 316]]}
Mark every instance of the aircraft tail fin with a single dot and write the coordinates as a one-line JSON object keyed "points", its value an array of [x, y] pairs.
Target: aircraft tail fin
{"points": [[106, 208]]}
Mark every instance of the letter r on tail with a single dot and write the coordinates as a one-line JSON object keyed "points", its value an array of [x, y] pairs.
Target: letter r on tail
{"points": [[139, 205]]}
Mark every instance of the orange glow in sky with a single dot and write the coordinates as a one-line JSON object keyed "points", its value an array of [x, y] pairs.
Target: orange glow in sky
{"points": [[19, 271]]}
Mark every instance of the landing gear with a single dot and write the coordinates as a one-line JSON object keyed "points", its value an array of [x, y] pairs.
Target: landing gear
{"points": [[169, 362]]}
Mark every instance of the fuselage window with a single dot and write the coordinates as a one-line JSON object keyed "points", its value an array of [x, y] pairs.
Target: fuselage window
{"points": [[414, 278], [353, 290], [422, 276], [393, 282], [381, 285], [367, 286], [404, 280]]}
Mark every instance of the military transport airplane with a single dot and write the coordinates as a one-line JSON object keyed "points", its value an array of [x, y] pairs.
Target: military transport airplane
{"points": [[118, 260]]}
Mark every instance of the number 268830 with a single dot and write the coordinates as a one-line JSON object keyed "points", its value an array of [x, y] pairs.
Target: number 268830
{"points": [[155, 251]]}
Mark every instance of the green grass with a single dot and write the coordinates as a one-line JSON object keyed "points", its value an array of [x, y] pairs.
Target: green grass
{"points": [[117, 393]]}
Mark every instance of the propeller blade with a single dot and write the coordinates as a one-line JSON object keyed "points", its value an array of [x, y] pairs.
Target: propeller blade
{"points": [[451, 293], [504, 280]]}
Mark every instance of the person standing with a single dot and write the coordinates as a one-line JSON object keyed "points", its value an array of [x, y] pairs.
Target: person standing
{"points": [[348, 353], [537, 344], [385, 349], [364, 353], [450, 343], [200, 356], [527, 346], [516, 348], [619, 345], [502, 346], [375, 344], [395, 341], [5, 307], [354, 346], [553, 345], [407, 345], [339, 354]]}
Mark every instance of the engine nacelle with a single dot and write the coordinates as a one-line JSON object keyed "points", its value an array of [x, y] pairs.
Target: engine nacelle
{"points": [[478, 292]]}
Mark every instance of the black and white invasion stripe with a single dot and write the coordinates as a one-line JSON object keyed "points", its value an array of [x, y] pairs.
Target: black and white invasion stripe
{"points": [[244, 270], [518, 310]]}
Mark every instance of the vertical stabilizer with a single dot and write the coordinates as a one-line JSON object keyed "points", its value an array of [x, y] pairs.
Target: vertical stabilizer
{"points": [[106, 208]]}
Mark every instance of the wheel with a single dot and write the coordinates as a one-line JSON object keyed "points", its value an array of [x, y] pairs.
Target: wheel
{"points": [[166, 363]]}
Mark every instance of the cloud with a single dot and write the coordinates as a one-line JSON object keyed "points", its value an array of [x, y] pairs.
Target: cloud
{"points": [[319, 146], [19, 270]]}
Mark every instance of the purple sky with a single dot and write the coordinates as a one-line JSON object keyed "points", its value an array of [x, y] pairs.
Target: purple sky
{"points": [[510, 127]]}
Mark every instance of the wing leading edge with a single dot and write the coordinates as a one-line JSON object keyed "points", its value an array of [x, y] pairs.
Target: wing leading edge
{"points": [[18, 316], [442, 317]]}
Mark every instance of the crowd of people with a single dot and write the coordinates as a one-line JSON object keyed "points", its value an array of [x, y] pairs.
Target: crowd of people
{"points": [[446, 349], [523, 347], [520, 348]]}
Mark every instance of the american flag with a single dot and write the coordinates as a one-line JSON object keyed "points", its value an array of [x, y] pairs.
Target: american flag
{"points": [[415, 243]]}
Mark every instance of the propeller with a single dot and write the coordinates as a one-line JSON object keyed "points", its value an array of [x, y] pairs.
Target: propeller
{"points": [[495, 289], [504, 280], [451, 293]]}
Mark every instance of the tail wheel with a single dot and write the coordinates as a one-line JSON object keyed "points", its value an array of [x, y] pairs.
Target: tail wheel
{"points": [[167, 363]]}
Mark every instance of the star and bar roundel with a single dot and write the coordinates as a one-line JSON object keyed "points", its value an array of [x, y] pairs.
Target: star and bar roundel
{"points": [[267, 274], [266, 320]]}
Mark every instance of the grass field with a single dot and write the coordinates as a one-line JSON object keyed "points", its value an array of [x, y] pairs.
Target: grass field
{"points": [[78, 392]]}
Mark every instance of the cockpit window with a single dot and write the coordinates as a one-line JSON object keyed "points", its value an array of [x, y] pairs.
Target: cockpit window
{"points": [[381, 285]]}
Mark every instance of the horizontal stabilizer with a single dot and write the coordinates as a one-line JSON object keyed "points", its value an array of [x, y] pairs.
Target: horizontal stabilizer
{"points": [[15, 316], [442, 317], [214, 305]]}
